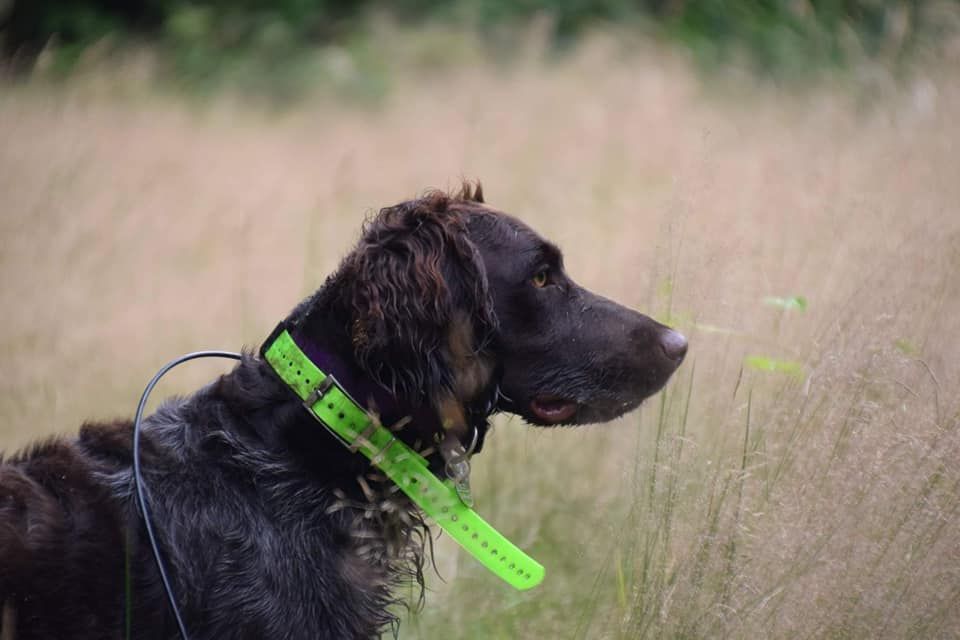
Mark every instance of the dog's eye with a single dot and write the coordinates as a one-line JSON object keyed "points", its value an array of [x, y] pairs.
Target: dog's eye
{"points": [[541, 278]]}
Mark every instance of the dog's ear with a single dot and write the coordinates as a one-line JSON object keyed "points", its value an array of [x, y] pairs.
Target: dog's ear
{"points": [[419, 289]]}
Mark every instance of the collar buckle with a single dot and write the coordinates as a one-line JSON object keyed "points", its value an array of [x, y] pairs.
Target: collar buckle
{"points": [[319, 391], [315, 395]]}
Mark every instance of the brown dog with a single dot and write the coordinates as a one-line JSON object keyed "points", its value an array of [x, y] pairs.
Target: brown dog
{"points": [[445, 313]]}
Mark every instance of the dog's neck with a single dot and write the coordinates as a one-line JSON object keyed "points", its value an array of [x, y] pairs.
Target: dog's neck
{"points": [[318, 326], [370, 395]]}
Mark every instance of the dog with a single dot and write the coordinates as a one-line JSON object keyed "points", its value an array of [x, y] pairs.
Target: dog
{"points": [[445, 313]]}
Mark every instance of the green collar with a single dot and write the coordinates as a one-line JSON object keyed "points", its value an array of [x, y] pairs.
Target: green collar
{"points": [[347, 420]]}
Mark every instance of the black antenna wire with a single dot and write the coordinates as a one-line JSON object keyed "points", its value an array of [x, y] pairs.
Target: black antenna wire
{"points": [[141, 496]]}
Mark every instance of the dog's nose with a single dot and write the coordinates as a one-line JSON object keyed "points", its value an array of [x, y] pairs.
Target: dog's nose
{"points": [[674, 345]]}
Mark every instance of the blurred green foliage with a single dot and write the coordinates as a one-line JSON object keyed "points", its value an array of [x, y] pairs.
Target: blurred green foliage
{"points": [[212, 40]]}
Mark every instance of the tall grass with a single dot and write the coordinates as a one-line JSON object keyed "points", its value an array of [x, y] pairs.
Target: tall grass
{"points": [[827, 510], [796, 479]]}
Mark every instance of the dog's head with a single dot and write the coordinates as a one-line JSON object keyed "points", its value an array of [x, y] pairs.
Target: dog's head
{"points": [[455, 305], [568, 355]]}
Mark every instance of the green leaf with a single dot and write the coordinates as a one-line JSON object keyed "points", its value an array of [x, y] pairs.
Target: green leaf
{"points": [[905, 347], [764, 363], [794, 302]]}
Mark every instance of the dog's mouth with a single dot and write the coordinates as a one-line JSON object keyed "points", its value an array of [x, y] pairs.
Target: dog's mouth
{"points": [[553, 409]]}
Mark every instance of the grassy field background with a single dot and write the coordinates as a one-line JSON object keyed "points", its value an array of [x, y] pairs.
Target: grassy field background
{"points": [[799, 476]]}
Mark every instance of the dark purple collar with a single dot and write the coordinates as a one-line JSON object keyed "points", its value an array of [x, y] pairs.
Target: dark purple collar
{"points": [[365, 391]]}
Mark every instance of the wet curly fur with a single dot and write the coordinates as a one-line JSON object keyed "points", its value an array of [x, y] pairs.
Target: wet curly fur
{"points": [[270, 528]]}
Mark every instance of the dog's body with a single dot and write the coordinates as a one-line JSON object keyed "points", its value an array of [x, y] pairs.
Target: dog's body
{"points": [[446, 312]]}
